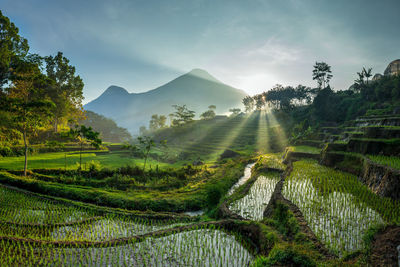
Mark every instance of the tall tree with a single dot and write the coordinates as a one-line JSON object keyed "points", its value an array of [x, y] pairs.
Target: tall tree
{"points": [[143, 146], [157, 122], [322, 73], [248, 103], [12, 47], [85, 135], [260, 101], [25, 101], [367, 73], [209, 114], [182, 115], [67, 89]]}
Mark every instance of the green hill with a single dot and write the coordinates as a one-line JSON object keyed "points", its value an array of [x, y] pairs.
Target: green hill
{"points": [[208, 139]]}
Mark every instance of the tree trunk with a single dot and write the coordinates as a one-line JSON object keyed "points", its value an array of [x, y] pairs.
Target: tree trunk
{"points": [[55, 124], [80, 157], [145, 160], [26, 154]]}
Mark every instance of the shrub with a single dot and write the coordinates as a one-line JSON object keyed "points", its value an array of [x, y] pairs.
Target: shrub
{"points": [[287, 255], [214, 193]]}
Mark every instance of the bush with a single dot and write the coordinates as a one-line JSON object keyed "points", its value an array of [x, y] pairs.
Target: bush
{"points": [[285, 256], [284, 220], [214, 193]]}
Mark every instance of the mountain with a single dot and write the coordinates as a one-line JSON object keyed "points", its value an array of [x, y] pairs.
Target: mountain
{"points": [[196, 89]]}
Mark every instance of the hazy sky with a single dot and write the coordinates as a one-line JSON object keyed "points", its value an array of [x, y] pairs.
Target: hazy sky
{"points": [[251, 45]]}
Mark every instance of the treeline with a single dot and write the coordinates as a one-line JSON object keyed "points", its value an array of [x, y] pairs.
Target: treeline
{"points": [[280, 97], [301, 107], [181, 116]]}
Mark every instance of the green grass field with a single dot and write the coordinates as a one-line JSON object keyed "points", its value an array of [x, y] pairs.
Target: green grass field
{"points": [[70, 161]]}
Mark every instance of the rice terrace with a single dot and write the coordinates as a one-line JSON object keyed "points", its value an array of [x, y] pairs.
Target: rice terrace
{"points": [[299, 167]]}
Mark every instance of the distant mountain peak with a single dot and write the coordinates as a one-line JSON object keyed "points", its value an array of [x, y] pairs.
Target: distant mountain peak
{"points": [[115, 90], [202, 74]]}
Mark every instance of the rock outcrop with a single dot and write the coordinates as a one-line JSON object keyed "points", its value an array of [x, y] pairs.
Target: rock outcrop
{"points": [[393, 68]]}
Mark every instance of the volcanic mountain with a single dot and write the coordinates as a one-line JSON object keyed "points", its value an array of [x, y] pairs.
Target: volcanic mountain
{"points": [[196, 89]]}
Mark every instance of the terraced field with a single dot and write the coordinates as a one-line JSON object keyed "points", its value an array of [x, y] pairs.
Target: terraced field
{"points": [[337, 207], [36, 231], [209, 139]]}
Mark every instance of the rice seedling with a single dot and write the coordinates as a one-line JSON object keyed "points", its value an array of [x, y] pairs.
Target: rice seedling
{"points": [[390, 161], [252, 205], [201, 247], [338, 208]]}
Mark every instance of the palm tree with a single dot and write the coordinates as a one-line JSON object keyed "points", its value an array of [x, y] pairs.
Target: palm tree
{"points": [[367, 73], [322, 73]]}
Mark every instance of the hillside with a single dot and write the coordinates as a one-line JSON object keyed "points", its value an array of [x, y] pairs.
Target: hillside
{"points": [[108, 129], [208, 139], [196, 89]]}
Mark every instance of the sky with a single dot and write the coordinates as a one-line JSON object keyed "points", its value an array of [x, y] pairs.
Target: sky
{"points": [[248, 44]]}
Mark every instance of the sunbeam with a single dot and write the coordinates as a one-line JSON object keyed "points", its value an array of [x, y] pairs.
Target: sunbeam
{"points": [[277, 129], [263, 137]]}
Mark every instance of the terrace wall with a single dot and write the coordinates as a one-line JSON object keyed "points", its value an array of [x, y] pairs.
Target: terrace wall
{"points": [[382, 180]]}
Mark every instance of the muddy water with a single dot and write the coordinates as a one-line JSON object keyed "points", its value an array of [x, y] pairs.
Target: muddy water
{"points": [[194, 213], [246, 176]]}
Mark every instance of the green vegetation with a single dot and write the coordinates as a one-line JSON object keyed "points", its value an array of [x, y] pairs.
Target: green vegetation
{"points": [[108, 129], [69, 160], [392, 162], [164, 191], [305, 149], [128, 203], [252, 205], [330, 200]]}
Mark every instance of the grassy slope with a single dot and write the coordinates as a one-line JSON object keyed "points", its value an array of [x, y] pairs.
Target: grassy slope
{"points": [[189, 197], [206, 140], [57, 160]]}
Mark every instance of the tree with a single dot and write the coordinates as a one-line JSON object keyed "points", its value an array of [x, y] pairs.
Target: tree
{"points": [[67, 88], [24, 101], [157, 122], [209, 114], [143, 146], [359, 82], [367, 73], [260, 101], [248, 103], [234, 111], [12, 47], [322, 73], [182, 115], [85, 135]]}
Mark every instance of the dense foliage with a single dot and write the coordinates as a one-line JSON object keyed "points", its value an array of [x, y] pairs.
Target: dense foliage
{"points": [[108, 129]]}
